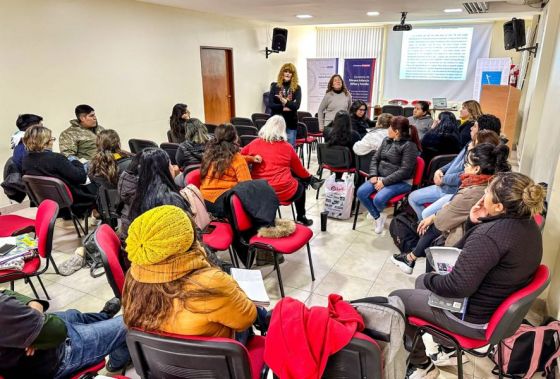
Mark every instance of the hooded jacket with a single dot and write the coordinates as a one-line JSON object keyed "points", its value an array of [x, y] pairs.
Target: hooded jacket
{"points": [[79, 141]]}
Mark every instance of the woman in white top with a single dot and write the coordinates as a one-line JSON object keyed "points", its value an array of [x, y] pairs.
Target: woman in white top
{"points": [[336, 99], [372, 140]]}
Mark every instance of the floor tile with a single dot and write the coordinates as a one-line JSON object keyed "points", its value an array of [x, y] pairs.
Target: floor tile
{"points": [[350, 287]]}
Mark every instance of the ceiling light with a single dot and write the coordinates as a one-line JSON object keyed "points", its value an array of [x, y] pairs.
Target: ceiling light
{"points": [[373, 13], [453, 10], [304, 16]]}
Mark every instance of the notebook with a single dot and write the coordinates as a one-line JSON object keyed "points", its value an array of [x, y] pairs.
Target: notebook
{"points": [[251, 281], [443, 260]]}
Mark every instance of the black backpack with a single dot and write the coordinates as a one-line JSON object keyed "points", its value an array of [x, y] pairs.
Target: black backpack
{"points": [[403, 231], [93, 256]]}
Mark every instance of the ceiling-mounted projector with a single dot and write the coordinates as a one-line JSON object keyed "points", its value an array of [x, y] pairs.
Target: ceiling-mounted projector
{"points": [[402, 27]]}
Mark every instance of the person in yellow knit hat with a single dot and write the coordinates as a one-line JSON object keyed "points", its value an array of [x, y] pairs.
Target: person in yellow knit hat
{"points": [[172, 287]]}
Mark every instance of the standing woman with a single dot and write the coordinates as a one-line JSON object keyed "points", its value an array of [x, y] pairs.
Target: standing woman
{"points": [[179, 120], [285, 99], [470, 112], [421, 118], [336, 99]]}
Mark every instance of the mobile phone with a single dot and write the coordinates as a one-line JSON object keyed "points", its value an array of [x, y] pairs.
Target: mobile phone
{"points": [[6, 249]]}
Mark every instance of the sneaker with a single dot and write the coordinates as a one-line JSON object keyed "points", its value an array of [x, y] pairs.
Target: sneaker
{"points": [[380, 223], [112, 369], [72, 264], [304, 220], [316, 183], [446, 358], [427, 371], [403, 263], [112, 307]]}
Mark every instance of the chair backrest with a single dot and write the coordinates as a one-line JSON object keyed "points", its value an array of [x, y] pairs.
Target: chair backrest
{"points": [[395, 110], [408, 111], [302, 114], [334, 156], [175, 356], [301, 132], [418, 172], [193, 177], [312, 124], [169, 136], [241, 121], [398, 102], [506, 319], [44, 226], [245, 130], [435, 164], [137, 145], [109, 245], [108, 200], [363, 162], [9, 167], [361, 358], [240, 219], [171, 149], [40, 188], [259, 123], [259, 116], [211, 128], [245, 140]]}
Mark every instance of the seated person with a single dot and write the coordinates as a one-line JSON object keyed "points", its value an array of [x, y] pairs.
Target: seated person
{"points": [[126, 187], [500, 253], [42, 161], [222, 168], [110, 160], [372, 140], [421, 118], [79, 140], [35, 344], [442, 138], [447, 179], [280, 165], [23, 122], [172, 287], [358, 116], [482, 162], [341, 134], [180, 121], [391, 171], [189, 154], [469, 114]]}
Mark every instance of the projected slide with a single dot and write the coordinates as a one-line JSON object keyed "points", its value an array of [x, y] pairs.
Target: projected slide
{"points": [[435, 54]]}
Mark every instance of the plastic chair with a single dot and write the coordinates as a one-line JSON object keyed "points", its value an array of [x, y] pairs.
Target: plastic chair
{"points": [[245, 140], [395, 110], [395, 200], [398, 102], [302, 114], [241, 121], [137, 145], [334, 159], [259, 116], [246, 130], [408, 111], [171, 150], [110, 247], [44, 230], [503, 324], [283, 245], [435, 164], [168, 355]]}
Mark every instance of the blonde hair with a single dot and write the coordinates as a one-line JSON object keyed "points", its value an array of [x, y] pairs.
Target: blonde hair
{"points": [[518, 193], [474, 109], [384, 120], [291, 68], [37, 138], [274, 129]]}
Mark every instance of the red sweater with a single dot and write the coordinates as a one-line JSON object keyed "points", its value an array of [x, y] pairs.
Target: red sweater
{"points": [[279, 166]]}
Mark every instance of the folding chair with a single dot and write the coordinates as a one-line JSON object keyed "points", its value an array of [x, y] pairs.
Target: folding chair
{"points": [[137, 145]]}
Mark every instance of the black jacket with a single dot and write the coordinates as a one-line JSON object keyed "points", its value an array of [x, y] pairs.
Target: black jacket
{"points": [[359, 125], [499, 256], [434, 144], [394, 161], [259, 200], [465, 133], [189, 153], [293, 103]]}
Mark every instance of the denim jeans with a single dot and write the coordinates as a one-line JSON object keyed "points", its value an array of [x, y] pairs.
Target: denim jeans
{"points": [[292, 133], [431, 194], [246, 334], [91, 336], [376, 206]]}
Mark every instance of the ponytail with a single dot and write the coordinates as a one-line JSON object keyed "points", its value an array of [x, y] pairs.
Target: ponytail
{"points": [[103, 165], [491, 159]]}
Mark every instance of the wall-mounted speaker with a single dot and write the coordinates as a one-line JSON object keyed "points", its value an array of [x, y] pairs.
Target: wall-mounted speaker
{"points": [[279, 39], [514, 34]]}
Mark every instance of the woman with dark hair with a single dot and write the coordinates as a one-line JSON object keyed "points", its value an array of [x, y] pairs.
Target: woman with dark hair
{"points": [[109, 161], [358, 115], [421, 118], [222, 168], [373, 139], [391, 171], [470, 112], [179, 120], [284, 99], [341, 134], [191, 150], [337, 98], [500, 253], [442, 138]]}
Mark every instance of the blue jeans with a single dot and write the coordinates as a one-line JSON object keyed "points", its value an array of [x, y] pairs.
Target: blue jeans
{"points": [[91, 336], [292, 133], [431, 194], [376, 206]]}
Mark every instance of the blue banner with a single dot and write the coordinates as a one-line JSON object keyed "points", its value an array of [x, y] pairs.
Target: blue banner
{"points": [[358, 77]]}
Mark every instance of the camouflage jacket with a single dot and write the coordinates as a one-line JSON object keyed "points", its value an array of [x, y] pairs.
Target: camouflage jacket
{"points": [[79, 141]]}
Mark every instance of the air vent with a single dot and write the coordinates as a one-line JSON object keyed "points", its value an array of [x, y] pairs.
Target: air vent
{"points": [[474, 7]]}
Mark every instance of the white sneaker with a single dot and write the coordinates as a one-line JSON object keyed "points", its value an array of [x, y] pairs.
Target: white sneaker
{"points": [[380, 223], [430, 372], [369, 216], [442, 359]]}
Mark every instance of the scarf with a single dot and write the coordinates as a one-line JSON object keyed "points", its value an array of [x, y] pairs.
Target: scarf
{"points": [[468, 180]]}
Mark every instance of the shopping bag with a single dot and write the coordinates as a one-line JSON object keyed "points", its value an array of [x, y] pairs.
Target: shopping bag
{"points": [[339, 196]]}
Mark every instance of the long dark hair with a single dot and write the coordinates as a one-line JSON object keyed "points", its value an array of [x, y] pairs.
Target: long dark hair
{"points": [[103, 164], [220, 150], [355, 106], [447, 124], [176, 121], [341, 132], [155, 185], [490, 158]]}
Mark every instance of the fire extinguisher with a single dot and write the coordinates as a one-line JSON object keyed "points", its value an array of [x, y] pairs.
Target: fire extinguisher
{"points": [[513, 75]]}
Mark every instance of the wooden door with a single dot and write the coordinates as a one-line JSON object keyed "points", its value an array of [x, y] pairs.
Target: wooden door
{"points": [[217, 84]]}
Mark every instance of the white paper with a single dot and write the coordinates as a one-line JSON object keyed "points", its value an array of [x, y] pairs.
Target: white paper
{"points": [[7, 241], [442, 259], [251, 281]]}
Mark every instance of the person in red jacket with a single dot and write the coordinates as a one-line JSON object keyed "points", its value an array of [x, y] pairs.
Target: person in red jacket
{"points": [[280, 166]]}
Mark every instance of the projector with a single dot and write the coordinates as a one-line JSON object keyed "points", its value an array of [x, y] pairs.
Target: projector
{"points": [[402, 27]]}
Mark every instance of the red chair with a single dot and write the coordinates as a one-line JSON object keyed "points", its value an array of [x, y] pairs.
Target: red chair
{"points": [[334, 159], [110, 247], [90, 370], [44, 230], [398, 102], [159, 355], [361, 358], [503, 324], [283, 245], [12, 225], [394, 201], [303, 139], [193, 177]]}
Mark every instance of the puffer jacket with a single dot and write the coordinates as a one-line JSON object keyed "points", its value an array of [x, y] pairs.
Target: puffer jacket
{"points": [[128, 183], [189, 153], [394, 161]]}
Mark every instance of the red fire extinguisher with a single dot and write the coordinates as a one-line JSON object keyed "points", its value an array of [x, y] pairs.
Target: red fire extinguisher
{"points": [[513, 75]]}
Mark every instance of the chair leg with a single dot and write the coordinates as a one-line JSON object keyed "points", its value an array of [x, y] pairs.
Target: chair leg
{"points": [[417, 335], [500, 360], [12, 285], [320, 172], [277, 268], [293, 212], [43, 287], [76, 223], [54, 265], [28, 281], [310, 262], [459, 362], [308, 155], [356, 214], [279, 213], [233, 257], [86, 223]]}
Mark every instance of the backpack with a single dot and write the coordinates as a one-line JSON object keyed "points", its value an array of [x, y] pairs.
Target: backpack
{"points": [[385, 321], [93, 256], [198, 208], [14, 188], [403, 231], [531, 349]]}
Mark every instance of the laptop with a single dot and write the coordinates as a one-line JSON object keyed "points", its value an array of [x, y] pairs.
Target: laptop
{"points": [[439, 102]]}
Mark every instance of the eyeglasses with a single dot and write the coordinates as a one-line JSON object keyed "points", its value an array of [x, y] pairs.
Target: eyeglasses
{"points": [[361, 109]]}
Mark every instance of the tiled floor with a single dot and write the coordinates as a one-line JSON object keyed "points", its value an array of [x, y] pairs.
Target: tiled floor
{"points": [[354, 264]]}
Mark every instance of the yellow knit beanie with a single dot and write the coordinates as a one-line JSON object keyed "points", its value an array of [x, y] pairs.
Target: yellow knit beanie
{"points": [[159, 234]]}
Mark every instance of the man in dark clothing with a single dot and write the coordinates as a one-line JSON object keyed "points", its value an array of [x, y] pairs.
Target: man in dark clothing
{"points": [[56, 345]]}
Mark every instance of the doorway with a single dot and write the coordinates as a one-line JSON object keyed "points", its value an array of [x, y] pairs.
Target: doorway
{"points": [[217, 84]]}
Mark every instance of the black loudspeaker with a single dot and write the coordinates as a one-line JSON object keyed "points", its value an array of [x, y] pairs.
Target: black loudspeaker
{"points": [[279, 39], [514, 34]]}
